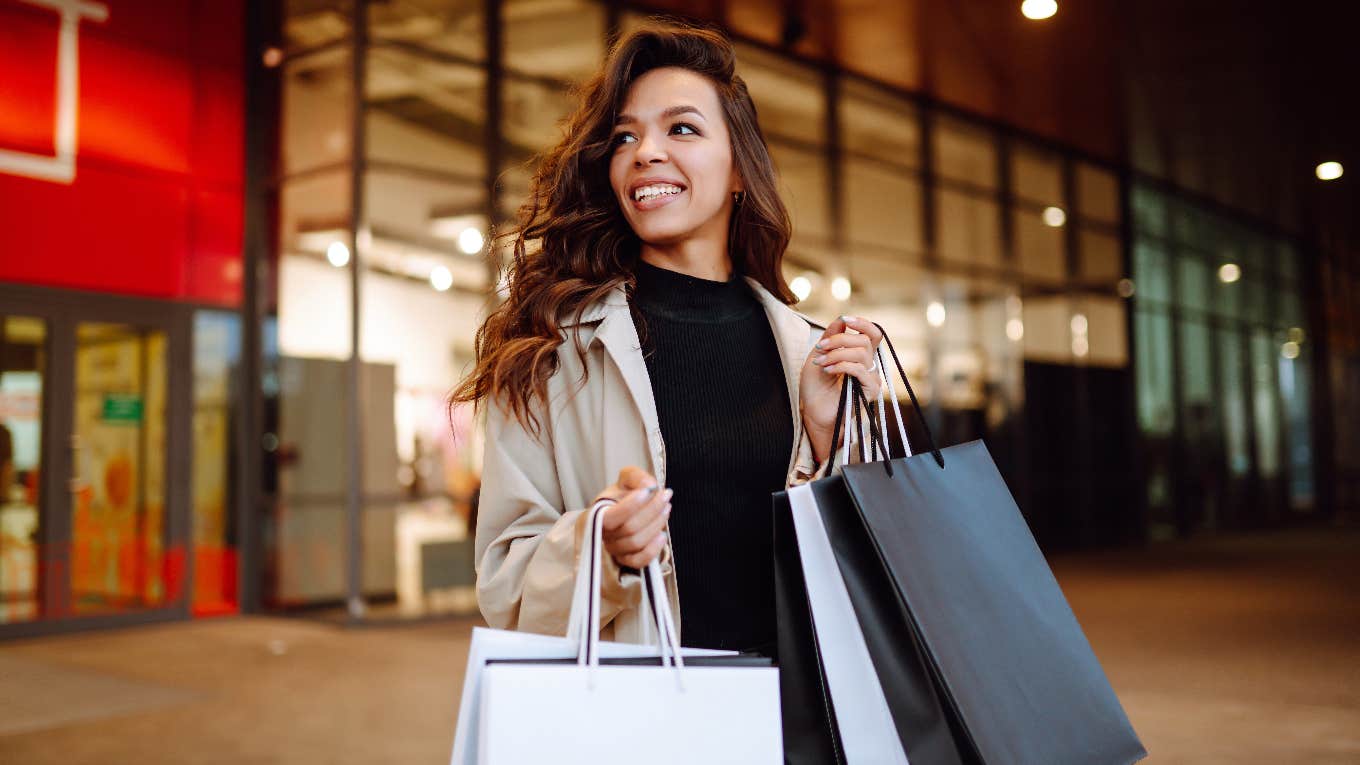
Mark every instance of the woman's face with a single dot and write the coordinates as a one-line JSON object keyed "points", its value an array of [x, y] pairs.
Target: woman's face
{"points": [[671, 169]]}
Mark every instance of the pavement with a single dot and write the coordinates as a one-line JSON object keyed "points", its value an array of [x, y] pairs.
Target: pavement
{"points": [[1229, 650]]}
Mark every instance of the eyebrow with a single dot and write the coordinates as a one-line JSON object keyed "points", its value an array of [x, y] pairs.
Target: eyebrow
{"points": [[667, 114]]}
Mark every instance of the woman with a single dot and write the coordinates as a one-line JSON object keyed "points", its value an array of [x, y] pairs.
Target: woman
{"points": [[646, 354]]}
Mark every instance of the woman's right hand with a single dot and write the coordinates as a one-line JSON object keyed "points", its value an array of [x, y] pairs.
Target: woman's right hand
{"points": [[634, 526]]}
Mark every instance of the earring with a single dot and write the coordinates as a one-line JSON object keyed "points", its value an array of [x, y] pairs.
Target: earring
{"points": [[738, 196]]}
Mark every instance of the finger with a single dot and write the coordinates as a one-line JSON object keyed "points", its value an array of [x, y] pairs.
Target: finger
{"points": [[627, 506], [862, 355], [648, 508], [858, 371], [864, 327], [844, 340], [639, 540], [633, 477], [647, 555]]}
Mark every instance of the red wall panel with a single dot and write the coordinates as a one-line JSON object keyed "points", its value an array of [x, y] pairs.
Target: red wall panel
{"points": [[155, 208]]}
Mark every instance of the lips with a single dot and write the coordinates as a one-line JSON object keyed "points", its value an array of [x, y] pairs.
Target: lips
{"points": [[653, 200]]}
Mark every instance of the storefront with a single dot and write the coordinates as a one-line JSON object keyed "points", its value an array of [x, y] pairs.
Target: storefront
{"points": [[120, 286]]}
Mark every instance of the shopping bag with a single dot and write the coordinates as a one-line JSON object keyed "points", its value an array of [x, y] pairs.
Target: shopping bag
{"points": [[978, 654], [523, 703]]}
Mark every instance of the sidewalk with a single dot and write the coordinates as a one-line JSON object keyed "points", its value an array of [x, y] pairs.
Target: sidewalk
{"points": [[1228, 651]]}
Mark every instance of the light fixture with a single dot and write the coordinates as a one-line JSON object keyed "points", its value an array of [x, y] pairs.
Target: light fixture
{"points": [[1329, 171], [1296, 335], [1079, 324], [1080, 346], [470, 240], [1014, 305], [801, 286], [935, 314], [840, 288], [1054, 217], [272, 57], [1015, 330], [1038, 10], [1125, 288], [441, 278], [1290, 350], [1229, 273], [338, 254]]}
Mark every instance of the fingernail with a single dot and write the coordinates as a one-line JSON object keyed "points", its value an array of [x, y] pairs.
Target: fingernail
{"points": [[848, 319], [819, 360], [669, 493], [667, 512], [821, 343], [828, 370]]}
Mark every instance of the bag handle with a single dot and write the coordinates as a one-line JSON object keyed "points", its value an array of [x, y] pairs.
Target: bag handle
{"points": [[853, 395]]}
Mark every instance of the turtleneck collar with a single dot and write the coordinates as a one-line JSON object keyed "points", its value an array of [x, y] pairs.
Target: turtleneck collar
{"points": [[681, 296]]}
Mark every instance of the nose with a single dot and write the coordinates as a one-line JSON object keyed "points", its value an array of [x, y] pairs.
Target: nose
{"points": [[649, 150]]}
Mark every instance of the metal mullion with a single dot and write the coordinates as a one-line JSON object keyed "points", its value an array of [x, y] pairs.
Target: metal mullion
{"points": [[353, 398]]}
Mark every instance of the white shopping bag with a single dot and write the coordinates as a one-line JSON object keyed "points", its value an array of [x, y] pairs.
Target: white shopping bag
{"points": [[577, 712]]}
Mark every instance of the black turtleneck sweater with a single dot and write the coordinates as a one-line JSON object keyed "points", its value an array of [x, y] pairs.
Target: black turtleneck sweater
{"points": [[724, 412]]}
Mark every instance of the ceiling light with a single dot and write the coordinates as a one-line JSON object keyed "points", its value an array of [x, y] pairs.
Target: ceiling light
{"points": [[1054, 216], [1038, 10], [338, 254], [801, 286], [272, 57], [1229, 273], [1126, 288], [840, 288], [441, 279], [1079, 325], [470, 240], [935, 314], [1329, 171], [1296, 334], [1080, 346], [1290, 350], [1015, 330]]}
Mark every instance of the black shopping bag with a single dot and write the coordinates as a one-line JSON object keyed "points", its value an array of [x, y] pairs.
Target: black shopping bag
{"points": [[977, 653]]}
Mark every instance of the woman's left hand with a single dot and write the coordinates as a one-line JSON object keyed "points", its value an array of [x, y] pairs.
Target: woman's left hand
{"points": [[838, 353]]}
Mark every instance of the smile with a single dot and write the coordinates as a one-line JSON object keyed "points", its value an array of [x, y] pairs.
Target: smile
{"points": [[656, 195]]}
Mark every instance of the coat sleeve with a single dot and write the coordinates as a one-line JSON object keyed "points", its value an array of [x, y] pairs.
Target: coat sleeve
{"points": [[526, 543]]}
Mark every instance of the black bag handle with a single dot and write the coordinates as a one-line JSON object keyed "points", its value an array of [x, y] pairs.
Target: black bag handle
{"points": [[878, 438]]}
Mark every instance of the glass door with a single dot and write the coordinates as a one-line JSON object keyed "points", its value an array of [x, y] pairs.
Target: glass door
{"points": [[23, 364], [118, 528]]}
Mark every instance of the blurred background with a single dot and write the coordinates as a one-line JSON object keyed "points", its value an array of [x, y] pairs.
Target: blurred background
{"points": [[245, 246]]}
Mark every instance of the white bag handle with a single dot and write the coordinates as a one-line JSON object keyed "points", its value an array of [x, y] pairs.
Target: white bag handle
{"points": [[583, 623]]}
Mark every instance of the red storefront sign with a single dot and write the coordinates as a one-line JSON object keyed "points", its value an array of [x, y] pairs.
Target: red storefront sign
{"points": [[121, 146]]}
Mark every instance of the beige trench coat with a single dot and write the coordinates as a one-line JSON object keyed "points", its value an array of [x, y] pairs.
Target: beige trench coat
{"points": [[535, 490]]}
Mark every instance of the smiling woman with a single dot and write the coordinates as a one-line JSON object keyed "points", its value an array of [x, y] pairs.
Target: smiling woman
{"points": [[646, 341]]}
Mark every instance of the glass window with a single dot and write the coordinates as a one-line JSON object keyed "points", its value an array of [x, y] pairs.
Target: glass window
{"points": [[425, 114], [1265, 353], [561, 39], [881, 126], [964, 152], [1233, 396], [1106, 332], [1156, 404], [1192, 286], [968, 227], [532, 115], [1097, 194], [448, 26], [789, 97], [1151, 272], [1294, 379], [803, 184], [1149, 211], [1287, 262], [316, 115], [217, 351], [312, 276], [1255, 305], [882, 208], [309, 23], [1101, 258], [1197, 386], [1041, 248], [23, 374], [1048, 328], [1037, 176]]}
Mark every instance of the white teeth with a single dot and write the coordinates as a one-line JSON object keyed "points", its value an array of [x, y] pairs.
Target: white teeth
{"points": [[651, 192]]}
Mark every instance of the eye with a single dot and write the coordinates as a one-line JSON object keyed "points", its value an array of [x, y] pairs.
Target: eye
{"points": [[618, 138], [685, 126]]}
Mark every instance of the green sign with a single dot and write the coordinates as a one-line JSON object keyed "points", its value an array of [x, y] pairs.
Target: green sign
{"points": [[122, 407]]}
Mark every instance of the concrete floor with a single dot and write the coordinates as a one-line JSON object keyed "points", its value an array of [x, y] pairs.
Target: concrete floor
{"points": [[1243, 650]]}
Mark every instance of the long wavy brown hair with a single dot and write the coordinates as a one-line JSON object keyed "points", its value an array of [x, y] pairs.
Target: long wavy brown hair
{"points": [[573, 245]]}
